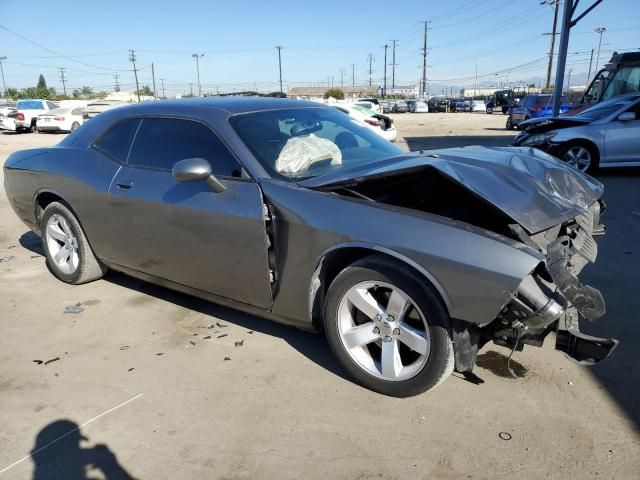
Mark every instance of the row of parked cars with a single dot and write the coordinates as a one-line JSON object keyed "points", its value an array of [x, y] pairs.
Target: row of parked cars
{"points": [[38, 115]]}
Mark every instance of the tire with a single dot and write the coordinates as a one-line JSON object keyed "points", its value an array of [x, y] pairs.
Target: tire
{"points": [[60, 231], [413, 370], [582, 155], [489, 110], [509, 125], [75, 126], [33, 128]]}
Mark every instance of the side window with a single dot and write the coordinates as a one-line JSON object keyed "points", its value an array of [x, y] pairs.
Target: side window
{"points": [[77, 111], [52, 105], [161, 142], [117, 141]]}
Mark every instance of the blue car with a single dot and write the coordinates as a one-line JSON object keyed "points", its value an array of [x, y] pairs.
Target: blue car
{"points": [[534, 106]]}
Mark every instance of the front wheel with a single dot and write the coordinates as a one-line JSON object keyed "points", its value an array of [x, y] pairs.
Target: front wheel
{"points": [[75, 126], [581, 156], [69, 255], [489, 110], [388, 328], [509, 125]]}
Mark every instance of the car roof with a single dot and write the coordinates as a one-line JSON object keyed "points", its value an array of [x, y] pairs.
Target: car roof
{"points": [[231, 105]]}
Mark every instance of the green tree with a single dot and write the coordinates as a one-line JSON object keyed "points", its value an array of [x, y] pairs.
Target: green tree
{"points": [[335, 93], [42, 83], [145, 90], [12, 92], [102, 95]]}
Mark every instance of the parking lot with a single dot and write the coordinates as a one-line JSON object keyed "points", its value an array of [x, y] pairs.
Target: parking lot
{"points": [[166, 386]]}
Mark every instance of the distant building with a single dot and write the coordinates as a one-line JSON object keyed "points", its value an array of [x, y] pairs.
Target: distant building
{"points": [[403, 90], [487, 91], [318, 92]]}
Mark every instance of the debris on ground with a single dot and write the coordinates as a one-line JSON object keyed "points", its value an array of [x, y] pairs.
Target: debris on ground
{"points": [[6, 258], [239, 344], [35, 256], [192, 343], [208, 337], [220, 325], [223, 335], [227, 359], [194, 335], [132, 368], [161, 353], [505, 436], [124, 347], [73, 308], [250, 332], [38, 362], [52, 360]]}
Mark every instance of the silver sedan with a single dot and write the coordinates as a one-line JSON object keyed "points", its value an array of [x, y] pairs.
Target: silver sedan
{"points": [[605, 135]]}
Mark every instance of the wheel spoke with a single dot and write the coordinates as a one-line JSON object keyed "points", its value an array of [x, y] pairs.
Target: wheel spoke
{"points": [[55, 232], [390, 361], [64, 225], [62, 255], [360, 335], [364, 301], [398, 304], [413, 338]]}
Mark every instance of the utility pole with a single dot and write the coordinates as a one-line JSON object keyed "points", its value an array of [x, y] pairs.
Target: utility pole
{"points": [[117, 87], [132, 59], [568, 22], [279, 47], [162, 83], [64, 86], [424, 61], [191, 88], [569, 81], [393, 66], [353, 74], [153, 77], [590, 62], [599, 30], [384, 88], [198, 56], [475, 89], [4, 85], [556, 3], [342, 78], [370, 58]]}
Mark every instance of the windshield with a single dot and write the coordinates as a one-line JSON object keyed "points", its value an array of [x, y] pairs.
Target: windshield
{"points": [[625, 80], [602, 110], [299, 143]]}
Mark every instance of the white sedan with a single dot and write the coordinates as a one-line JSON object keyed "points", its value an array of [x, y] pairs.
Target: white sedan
{"points": [[478, 106], [379, 123], [60, 120]]}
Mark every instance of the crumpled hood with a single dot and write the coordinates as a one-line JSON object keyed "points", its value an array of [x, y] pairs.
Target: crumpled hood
{"points": [[533, 188], [541, 125]]}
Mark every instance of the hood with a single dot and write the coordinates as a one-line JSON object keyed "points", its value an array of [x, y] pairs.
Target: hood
{"points": [[533, 188], [541, 125]]}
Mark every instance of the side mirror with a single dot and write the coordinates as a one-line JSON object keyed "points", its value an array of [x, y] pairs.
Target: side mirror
{"points": [[627, 116], [192, 169]]}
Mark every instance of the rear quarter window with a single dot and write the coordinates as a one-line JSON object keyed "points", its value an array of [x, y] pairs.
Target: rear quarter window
{"points": [[117, 141]]}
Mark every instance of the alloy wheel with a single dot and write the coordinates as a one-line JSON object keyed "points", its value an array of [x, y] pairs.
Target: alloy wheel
{"points": [[62, 244], [383, 331], [578, 157]]}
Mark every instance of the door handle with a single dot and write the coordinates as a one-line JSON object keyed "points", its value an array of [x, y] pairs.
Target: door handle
{"points": [[125, 185]]}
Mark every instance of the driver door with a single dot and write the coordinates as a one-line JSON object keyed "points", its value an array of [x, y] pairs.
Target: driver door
{"points": [[622, 139], [183, 231]]}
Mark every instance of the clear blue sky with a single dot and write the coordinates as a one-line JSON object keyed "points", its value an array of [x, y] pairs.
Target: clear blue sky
{"points": [[319, 39]]}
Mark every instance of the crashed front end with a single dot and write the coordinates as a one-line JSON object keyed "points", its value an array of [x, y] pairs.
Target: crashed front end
{"points": [[552, 298]]}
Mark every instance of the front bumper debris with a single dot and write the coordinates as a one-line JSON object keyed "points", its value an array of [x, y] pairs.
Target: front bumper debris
{"points": [[580, 347]]}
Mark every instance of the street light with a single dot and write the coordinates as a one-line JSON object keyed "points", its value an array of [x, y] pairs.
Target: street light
{"points": [[4, 85], [599, 30], [198, 57]]}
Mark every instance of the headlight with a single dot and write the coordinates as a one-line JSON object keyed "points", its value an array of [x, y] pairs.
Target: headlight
{"points": [[538, 139]]}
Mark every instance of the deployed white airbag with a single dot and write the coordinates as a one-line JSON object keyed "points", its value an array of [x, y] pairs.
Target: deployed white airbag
{"points": [[299, 153]]}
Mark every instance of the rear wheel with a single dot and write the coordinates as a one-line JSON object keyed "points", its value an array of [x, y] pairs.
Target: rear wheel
{"points": [[74, 126], [489, 110], [388, 329], [69, 255], [509, 125], [33, 128]]}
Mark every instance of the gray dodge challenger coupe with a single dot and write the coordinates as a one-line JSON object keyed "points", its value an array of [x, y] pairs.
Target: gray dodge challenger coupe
{"points": [[293, 211]]}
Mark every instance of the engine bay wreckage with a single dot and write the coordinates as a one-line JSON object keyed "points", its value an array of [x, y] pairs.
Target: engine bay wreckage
{"points": [[558, 220]]}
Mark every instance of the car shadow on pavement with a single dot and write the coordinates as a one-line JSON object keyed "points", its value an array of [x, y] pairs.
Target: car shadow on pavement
{"points": [[448, 141], [57, 453]]}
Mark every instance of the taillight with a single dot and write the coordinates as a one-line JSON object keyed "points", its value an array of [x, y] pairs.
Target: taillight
{"points": [[59, 118], [20, 116], [373, 122]]}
